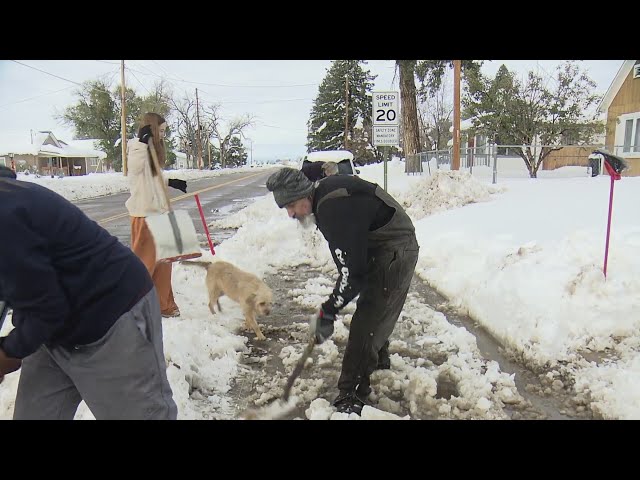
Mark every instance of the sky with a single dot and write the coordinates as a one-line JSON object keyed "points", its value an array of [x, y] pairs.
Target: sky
{"points": [[523, 261], [278, 93]]}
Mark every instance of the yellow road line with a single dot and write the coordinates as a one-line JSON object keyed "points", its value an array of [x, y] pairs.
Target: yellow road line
{"points": [[180, 197]]}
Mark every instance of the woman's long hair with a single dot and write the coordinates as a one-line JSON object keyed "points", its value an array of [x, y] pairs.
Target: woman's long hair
{"points": [[154, 121]]}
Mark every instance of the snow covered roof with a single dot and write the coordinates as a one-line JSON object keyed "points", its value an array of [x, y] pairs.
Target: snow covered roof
{"points": [[46, 144], [464, 125]]}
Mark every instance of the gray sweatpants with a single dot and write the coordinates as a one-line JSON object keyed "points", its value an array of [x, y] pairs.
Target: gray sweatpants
{"points": [[121, 376]]}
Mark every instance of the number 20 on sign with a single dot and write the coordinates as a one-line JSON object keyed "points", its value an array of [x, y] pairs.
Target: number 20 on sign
{"points": [[385, 108]]}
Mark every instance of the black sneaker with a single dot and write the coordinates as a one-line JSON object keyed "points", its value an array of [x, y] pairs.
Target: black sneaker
{"points": [[348, 403]]}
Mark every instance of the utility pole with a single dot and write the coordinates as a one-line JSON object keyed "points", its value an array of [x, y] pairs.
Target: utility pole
{"points": [[123, 122], [199, 141], [346, 117], [455, 164]]}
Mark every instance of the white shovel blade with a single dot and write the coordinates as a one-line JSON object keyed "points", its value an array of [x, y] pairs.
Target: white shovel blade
{"points": [[166, 247]]}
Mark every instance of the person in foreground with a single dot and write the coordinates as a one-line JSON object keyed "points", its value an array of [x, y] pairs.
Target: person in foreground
{"points": [[86, 316]]}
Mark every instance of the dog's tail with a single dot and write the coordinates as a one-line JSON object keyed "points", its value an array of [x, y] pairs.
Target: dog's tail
{"points": [[196, 263]]}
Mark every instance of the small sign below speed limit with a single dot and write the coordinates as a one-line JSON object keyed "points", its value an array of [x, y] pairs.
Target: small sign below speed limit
{"points": [[385, 108]]}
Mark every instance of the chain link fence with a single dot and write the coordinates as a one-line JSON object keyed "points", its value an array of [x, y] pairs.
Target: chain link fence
{"points": [[495, 160]]}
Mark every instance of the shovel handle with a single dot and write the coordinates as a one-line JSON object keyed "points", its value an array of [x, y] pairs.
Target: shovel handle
{"points": [[154, 158], [204, 224], [298, 369]]}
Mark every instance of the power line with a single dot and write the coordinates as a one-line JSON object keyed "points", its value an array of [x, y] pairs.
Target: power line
{"points": [[252, 86], [164, 69], [37, 96], [277, 101], [152, 73], [167, 71], [148, 69], [53, 75], [134, 76], [113, 74], [284, 128], [225, 85], [259, 102], [207, 93]]}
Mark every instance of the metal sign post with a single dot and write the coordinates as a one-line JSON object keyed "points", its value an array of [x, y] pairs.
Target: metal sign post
{"points": [[386, 126]]}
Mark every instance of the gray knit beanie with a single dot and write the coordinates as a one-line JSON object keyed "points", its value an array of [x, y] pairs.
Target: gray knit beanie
{"points": [[289, 185]]}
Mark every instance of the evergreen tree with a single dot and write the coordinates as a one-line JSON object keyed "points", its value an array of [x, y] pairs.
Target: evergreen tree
{"points": [[431, 72], [326, 124], [236, 155]]}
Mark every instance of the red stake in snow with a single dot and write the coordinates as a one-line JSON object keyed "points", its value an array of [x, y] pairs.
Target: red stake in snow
{"points": [[204, 223], [614, 165]]}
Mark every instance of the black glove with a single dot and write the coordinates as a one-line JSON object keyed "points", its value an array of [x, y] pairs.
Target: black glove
{"points": [[178, 184], [323, 326], [144, 134]]}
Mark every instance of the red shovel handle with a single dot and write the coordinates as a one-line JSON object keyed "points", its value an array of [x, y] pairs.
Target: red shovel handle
{"points": [[204, 223]]}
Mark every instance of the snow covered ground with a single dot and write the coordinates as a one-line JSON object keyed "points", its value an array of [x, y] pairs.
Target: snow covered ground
{"points": [[523, 258]]}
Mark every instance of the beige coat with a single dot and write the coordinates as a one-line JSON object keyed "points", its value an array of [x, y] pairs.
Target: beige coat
{"points": [[146, 198]]}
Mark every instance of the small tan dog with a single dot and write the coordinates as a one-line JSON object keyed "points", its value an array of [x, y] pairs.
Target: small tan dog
{"points": [[244, 288]]}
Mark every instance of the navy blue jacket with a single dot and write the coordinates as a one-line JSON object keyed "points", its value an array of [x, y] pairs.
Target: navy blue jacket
{"points": [[67, 279]]}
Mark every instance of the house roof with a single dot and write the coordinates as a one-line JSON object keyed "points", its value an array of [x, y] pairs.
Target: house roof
{"points": [[46, 144], [464, 125], [46, 137], [619, 79]]}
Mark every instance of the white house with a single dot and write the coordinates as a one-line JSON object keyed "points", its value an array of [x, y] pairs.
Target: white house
{"points": [[46, 154]]}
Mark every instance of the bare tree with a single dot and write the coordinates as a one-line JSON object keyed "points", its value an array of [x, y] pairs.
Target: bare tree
{"points": [[186, 125], [224, 135], [206, 136], [435, 117]]}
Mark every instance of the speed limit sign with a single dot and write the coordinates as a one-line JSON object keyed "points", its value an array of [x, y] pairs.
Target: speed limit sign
{"points": [[385, 108], [386, 122]]}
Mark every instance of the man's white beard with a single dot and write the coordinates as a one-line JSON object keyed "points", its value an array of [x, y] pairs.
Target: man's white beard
{"points": [[307, 222]]}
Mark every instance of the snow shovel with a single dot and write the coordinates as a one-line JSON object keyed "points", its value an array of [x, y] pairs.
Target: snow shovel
{"points": [[173, 232], [615, 166], [280, 406]]}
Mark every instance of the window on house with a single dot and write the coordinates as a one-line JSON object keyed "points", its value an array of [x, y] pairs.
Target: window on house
{"points": [[636, 142], [93, 161], [628, 127]]}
